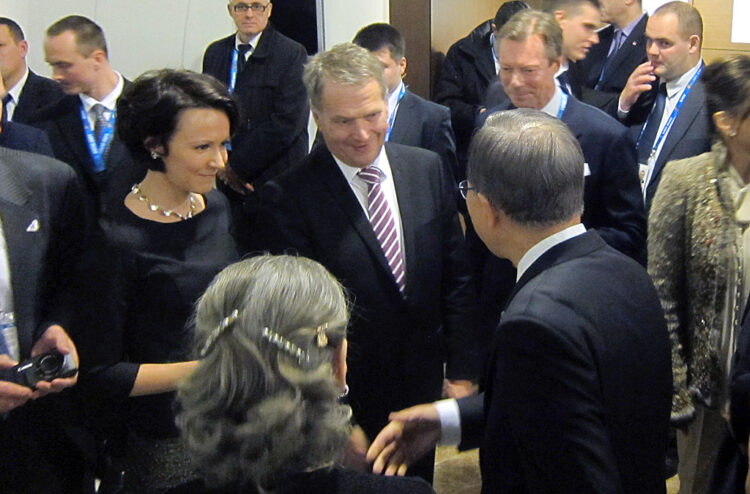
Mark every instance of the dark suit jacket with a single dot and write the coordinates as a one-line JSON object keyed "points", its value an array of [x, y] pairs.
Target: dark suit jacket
{"points": [[273, 136], [690, 134], [579, 387], [103, 190], [612, 194], [38, 93], [396, 345], [42, 255], [426, 125], [467, 70], [631, 54], [22, 137]]}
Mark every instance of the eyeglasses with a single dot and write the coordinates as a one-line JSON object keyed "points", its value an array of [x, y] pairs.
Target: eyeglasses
{"points": [[464, 188], [241, 8]]}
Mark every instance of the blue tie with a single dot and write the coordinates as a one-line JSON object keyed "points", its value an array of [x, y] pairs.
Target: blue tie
{"points": [[564, 80], [646, 141], [6, 99]]}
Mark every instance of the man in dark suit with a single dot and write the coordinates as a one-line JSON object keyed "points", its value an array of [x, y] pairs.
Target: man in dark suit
{"points": [[531, 41], [43, 235], [263, 68], [469, 67], [382, 218], [412, 120], [579, 378], [81, 126], [27, 92], [663, 100], [621, 48]]}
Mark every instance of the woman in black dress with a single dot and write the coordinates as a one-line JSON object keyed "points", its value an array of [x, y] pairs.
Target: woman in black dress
{"points": [[158, 253], [262, 408]]}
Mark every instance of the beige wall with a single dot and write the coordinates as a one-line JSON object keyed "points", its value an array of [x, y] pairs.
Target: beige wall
{"points": [[717, 29]]}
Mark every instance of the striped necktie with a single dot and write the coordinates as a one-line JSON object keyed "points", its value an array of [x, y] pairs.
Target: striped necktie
{"points": [[383, 224]]}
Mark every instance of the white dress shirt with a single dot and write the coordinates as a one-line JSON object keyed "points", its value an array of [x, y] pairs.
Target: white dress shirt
{"points": [[15, 94], [109, 102], [253, 44]]}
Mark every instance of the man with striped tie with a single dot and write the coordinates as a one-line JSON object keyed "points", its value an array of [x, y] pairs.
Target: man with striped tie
{"points": [[382, 218]]}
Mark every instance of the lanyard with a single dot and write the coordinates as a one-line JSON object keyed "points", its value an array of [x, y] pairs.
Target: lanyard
{"points": [[233, 70], [563, 104], [395, 109], [672, 117], [98, 149]]}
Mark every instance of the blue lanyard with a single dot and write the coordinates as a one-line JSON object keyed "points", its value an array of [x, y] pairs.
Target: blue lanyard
{"points": [[672, 117], [563, 104], [98, 149], [233, 70], [395, 108]]}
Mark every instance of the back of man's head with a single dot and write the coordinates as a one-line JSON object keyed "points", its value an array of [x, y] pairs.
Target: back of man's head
{"points": [[89, 36], [528, 23], [346, 64], [530, 166], [15, 30], [688, 17], [381, 35], [506, 11], [572, 7]]}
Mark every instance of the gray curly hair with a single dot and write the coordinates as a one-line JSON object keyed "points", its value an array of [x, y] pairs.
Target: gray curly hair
{"points": [[253, 410]]}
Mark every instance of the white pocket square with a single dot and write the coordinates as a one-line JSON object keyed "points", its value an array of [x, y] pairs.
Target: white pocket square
{"points": [[33, 226], [586, 170]]}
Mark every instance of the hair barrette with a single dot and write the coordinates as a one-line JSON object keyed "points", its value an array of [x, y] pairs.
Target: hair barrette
{"points": [[284, 345], [321, 335], [217, 331]]}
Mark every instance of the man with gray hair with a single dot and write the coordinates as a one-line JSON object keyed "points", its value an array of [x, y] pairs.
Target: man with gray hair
{"points": [[382, 218], [579, 382]]}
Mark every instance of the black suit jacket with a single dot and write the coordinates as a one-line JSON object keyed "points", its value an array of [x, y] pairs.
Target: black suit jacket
{"points": [[612, 195], [44, 228], [579, 379], [38, 93], [22, 137], [426, 125], [103, 190], [273, 135], [467, 70], [396, 345], [690, 135], [631, 54]]}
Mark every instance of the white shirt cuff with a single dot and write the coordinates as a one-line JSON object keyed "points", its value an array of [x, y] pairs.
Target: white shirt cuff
{"points": [[621, 114], [450, 422]]}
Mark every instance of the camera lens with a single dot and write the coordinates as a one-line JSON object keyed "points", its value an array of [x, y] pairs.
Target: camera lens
{"points": [[49, 365]]}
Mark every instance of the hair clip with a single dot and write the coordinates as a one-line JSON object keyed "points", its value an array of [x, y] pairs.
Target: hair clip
{"points": [[284, 345], [218, 330], [322, 337]]}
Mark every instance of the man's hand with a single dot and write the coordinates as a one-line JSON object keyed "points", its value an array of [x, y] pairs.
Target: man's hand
{"points": [[458, 388], [12, 395], [408, 437], [234, 182], [638, 82], [54, 338]]}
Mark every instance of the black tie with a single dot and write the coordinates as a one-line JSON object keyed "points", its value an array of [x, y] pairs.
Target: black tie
{"points": [[242, 51], [6, 99], [646, 141], [564, 80]]}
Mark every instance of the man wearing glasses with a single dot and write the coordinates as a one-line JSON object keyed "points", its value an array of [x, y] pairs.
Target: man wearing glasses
{"points": [[263, 68]]}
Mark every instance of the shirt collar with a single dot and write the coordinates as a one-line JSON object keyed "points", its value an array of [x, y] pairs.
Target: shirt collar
{"points": [[109, 101], [350, 172], [678, 85], [552, 108], [253, 41], [15, 91], [546, 244]]}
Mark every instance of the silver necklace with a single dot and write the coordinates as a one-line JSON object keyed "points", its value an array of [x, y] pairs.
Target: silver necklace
{"points": [[136, 190]]}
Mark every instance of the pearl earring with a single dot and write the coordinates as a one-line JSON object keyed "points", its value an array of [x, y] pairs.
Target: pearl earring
{"points": [[154, 155]]}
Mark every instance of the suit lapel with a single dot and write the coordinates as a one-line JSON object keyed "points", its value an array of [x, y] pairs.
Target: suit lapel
{"points": [[688, 113], [632, 43], [407, 202], [71, 130], [335, 184], [403, 123]]}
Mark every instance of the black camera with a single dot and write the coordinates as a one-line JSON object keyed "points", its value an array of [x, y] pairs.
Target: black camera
{"points": [[44, 367]]}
